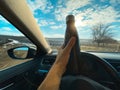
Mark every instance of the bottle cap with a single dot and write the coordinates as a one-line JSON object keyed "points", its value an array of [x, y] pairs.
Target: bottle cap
{"points": [[70, 18]]}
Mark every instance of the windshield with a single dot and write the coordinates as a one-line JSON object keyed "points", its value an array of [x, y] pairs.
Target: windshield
{"points": [[97, 22]]}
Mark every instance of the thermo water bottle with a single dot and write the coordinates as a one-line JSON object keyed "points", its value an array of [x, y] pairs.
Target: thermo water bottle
{"points": [[71, 31]]}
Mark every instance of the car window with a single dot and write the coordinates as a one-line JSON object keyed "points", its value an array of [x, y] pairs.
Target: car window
{"points": [[97, 22], [10, 37]]}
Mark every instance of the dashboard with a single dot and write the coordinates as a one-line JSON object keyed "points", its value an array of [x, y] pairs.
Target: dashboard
{"points": [[90, 67], [111, 58]]}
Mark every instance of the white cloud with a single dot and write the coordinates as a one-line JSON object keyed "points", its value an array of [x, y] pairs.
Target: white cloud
{"points": [[51, 23], [56, 27], [3, 19], [104, 15], [70, 6], [113, 27], [42, 23], [54, 36], [103, 0], [96, 14], [75, 4], [87, 16], [10, 31], [6, 28], [114, 2], [42, 5]]}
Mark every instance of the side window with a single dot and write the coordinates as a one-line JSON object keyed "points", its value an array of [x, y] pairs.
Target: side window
{"points": [[10, 37]]}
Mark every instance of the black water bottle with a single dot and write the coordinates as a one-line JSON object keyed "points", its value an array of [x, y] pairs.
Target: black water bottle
{"points": [[72, 67]]}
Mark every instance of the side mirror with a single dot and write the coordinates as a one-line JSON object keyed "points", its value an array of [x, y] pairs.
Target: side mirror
{"points": [[22, 52]]}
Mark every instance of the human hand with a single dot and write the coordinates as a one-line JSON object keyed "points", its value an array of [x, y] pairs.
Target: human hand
{"points": [[63, 57], [53, 78]]}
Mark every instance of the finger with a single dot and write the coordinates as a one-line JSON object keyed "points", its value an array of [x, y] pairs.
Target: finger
{"points": [[60, 48], [70, 44]]}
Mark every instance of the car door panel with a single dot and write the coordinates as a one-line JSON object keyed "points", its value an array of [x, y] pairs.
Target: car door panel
{"points": [[12, 78]]}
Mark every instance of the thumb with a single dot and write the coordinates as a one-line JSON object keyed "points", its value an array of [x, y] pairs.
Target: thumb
{"points": [[70, 44]]}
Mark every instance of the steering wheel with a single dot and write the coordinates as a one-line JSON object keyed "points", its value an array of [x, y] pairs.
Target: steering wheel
{"points": [[76, 67], [78, 82]]}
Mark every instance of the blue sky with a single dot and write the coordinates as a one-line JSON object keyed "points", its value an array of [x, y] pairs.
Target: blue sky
{"points": [[50, 16]]}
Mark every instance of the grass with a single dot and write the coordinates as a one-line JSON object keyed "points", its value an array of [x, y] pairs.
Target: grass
{"points": [[100, 49], [6, 61], [93, 47], [103, 48]]}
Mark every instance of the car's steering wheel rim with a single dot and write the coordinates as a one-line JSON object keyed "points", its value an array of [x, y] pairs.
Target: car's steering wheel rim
{"points": [[108, 67]]}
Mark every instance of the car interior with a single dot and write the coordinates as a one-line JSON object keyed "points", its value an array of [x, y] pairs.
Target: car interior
{"points": [[102, 67]]}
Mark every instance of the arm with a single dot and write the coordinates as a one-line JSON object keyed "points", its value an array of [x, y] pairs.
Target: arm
{"points": [[53, 78]]}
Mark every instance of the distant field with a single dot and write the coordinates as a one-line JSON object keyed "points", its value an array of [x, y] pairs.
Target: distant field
{"points": [[107, 48], [6, 61]]}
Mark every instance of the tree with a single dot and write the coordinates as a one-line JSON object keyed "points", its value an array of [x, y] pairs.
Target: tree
{"points": [[102, 34]]}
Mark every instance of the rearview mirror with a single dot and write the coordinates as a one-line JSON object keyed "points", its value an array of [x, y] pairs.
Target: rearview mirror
{"points": [[22, 52]]}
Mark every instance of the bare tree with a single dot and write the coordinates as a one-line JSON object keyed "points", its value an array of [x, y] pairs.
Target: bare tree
{"points": [[102, 34]]}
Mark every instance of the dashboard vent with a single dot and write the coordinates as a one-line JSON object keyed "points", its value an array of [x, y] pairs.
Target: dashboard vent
{"points": [[49, 60]]}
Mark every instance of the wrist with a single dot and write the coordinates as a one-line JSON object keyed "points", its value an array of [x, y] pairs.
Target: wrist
{"points": [[57, 70]]}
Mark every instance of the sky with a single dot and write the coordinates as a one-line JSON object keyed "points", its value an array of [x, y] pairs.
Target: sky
{"points": [[50, 16]]}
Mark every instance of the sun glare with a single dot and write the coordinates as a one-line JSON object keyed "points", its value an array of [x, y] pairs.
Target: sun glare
{"points": [[78, 23]]}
